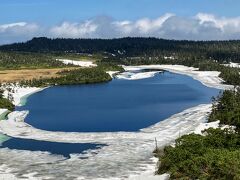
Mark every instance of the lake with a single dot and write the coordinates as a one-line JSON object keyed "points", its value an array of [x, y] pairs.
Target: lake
{"points": [[64, 149], [120, 105]]}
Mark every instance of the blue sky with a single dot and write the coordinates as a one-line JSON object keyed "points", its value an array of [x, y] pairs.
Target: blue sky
{"points": [[56, 11], [21, 20]]}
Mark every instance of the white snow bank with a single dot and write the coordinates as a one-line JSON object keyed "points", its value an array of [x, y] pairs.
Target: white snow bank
{"points": [[15, 160], [18, 93], [112, 73], [203, 126], [181, 122], [208, 78], [231, 64], [136, 75], [78, 63], [6, 173], [150, 176], [126, 153]]}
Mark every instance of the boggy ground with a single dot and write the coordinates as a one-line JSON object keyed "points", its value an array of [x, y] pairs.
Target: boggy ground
{"points": [[29, 74]]}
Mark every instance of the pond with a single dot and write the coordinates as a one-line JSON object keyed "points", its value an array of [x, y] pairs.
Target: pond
{"points": [[120, 105]]}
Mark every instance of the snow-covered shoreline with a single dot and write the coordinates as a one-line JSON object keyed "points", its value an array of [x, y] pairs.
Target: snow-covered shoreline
{"points": [[112, 73], [123, 147], [207, 78], [136, 76], [16, 127], [19, 93]]}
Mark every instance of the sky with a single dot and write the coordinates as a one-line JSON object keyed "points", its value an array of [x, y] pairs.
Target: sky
{"points": [[20, 20]]}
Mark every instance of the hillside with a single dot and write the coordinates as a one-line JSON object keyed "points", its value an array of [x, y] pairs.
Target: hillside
{"points": [[222, 51]]}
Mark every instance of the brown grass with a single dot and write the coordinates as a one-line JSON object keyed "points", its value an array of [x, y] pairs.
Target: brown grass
{"points": [[28, 74]]}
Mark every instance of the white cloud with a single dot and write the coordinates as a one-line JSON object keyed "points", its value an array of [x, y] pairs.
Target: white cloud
{"points": [[200, 27], [19, 28], [104, 27], [4, 27], [143, 26], [16, 32], [226, 25], [74, 30]]}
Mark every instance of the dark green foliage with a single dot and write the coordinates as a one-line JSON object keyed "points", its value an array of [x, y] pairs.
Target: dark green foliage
{"points": [[226, 108], [230, 76], [19, 60], [222, 51], [5, 103], [214, 156], [110, 66], [205, 55], [71, 77]]}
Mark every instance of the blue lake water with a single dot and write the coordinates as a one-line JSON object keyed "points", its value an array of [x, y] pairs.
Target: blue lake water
{"points": [[64, 149], [120, 105]]}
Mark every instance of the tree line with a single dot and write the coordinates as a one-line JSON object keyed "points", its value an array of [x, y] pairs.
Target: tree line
{"points": [[226, 108], [71, 77], [26, 60], [119, 49]]}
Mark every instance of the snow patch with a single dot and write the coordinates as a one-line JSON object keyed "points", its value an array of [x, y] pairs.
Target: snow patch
{"points": [[203, 126], [112, 73], [130, 75], [231, 64], [169, 57], [77, 63]]}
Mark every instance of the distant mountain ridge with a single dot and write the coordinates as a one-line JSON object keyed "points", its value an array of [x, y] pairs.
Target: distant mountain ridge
{"points": [[131, 47], [43, 44]]}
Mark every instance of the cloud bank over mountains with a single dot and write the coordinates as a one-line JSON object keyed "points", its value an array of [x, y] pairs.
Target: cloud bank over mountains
{"points": [[169, 26], [16, 32]]}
